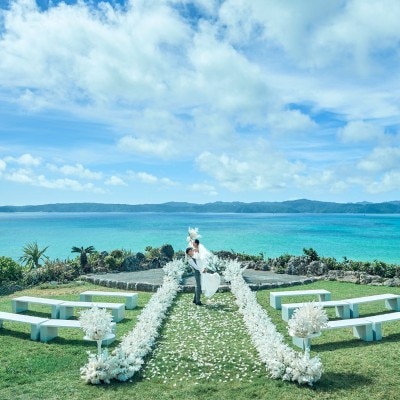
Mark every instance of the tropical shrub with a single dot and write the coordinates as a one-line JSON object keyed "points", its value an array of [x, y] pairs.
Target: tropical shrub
{"points": [[52, 271], [10, 270], [167, 251], [311, 254], [32, 255], [151, 253]]}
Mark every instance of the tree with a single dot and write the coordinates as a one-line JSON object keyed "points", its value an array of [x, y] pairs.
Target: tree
{"points": [[83, 254], [32, 255]]}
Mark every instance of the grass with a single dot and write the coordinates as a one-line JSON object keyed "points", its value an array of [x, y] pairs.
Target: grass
{"points": [[203, 353]]}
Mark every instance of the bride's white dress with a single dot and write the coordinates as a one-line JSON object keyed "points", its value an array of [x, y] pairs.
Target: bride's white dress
{"points": [[209, 281]]}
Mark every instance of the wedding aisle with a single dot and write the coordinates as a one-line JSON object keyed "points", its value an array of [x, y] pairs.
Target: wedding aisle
{"points": [[208, 343]]}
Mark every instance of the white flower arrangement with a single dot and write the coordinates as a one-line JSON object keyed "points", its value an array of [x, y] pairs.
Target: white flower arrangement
{"points": [[281, 361], [97, 324], [307, 320], [127, 358]]}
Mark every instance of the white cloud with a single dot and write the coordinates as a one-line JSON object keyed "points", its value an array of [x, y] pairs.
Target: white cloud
{"points": [[26, 159], [151, 179], [360, 131], [254, 167], [76, 170], [160, 148], [381, 159], [203, 188], [390, 181], [290, 121], [115, 181], [66, 184], [20, 176], [3, 166]]}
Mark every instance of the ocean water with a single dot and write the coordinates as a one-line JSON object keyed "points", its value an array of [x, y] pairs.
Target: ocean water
{"points": [[357, 237]]}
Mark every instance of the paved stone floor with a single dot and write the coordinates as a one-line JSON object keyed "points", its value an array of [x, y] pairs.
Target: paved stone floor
{"points": [[151, 279]]}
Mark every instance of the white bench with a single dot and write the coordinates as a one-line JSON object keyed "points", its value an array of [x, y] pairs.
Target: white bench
{"points": [[20, 304], [130, 297], [392, 302], [67, 308], [362, 329], [377, 321], [342, 308], [49, 329], [275, 298], [35, 322]]}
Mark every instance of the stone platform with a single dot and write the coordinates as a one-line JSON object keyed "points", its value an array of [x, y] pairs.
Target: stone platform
{"points": [[150, 280]]}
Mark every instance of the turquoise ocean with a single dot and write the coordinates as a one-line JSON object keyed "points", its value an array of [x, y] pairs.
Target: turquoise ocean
{"points": [[355, 236]]}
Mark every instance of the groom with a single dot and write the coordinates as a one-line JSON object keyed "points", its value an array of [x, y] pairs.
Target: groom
{"points": [[197, 269]]}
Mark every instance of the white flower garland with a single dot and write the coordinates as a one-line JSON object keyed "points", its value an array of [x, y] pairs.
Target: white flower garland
{"points": [[127, 358], [281, 361]]}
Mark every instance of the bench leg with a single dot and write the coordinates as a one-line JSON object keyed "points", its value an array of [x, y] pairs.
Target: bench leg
{"points": [[303, 343], [131, 303], [275, 301], [19, 306], [353, 310], [392, 304], [35, 332], [66, 312], [377, 330], [47, 333], [287, 313], [343, 311], [364, 332], [324, 297], [85, 297], [118, 314], [55, 311]]}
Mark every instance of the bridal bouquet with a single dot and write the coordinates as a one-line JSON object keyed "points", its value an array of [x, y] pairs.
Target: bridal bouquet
{"points": [[193, 233], [307, 320]]}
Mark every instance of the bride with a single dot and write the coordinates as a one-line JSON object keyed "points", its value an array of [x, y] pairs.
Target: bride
{"points": [[210, 280]]}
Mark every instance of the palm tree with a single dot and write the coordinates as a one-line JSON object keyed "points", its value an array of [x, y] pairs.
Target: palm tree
{"points": [[32, 255], [83, 254]]}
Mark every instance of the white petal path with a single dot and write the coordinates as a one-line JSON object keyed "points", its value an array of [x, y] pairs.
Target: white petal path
{"points": [[204, 343]]}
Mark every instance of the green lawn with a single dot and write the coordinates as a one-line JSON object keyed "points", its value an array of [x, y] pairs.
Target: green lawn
{"points": [[203, 353]]}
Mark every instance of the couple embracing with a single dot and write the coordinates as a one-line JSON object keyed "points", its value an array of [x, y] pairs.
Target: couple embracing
{"points": [[198, 258]]}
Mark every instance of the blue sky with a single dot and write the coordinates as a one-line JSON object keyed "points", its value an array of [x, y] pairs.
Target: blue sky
{"points": [[200, 101]]}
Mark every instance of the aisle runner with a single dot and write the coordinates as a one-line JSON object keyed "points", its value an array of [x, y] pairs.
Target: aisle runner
{"points": [[208, 343]]}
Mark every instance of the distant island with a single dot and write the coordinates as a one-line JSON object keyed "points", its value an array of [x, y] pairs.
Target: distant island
{"points": [[292, 206]]}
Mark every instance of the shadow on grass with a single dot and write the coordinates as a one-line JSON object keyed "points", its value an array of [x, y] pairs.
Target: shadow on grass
{"points": [[221, 307], [344, 344], [353, 343], [333, 381]]}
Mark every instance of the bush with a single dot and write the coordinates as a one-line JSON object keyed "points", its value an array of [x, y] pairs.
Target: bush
{"points": [[311, 254], [167, 251], [151, 253], [331, 263], [10, 270], [52, 271]]}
